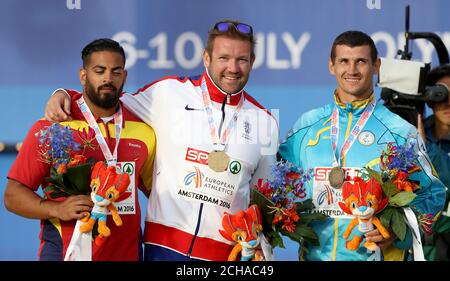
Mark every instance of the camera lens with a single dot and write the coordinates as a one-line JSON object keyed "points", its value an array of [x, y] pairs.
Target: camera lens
{"points": [[436, 93]]}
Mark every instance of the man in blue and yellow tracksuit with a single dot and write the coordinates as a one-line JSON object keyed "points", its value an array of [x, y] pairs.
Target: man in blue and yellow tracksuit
{"points": [[349, 134]]}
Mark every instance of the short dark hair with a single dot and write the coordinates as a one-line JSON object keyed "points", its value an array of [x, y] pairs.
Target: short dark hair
{"points": [[102, 44], [438, 73], [231, 33], [353, 38]]}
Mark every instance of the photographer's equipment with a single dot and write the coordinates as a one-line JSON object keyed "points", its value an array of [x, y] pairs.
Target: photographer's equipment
{"points": [[403, 82]]}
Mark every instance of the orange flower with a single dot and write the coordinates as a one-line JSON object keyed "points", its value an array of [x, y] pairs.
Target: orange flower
{"points": [[77, 160], [289, 226], [62, 168], [278, 214], [402, 183], [277, 218], [414, 169], [292, 214], [288, 217]]}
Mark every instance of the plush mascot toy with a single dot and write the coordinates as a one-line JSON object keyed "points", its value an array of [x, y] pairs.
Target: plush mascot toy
{"points": [[245, 229], [107, 187], [363, 200]]}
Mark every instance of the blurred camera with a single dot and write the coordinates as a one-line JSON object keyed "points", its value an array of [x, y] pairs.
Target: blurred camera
{"points": [[405, 89]]}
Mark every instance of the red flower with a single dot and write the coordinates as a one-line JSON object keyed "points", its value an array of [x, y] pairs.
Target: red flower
{"points": [[277, 218], [292, 176], [300, 192], [77, 160], [289, 226], [87, 137], [291, 214], [288, 217], [264, 188], [402, 183], [426, 222]]}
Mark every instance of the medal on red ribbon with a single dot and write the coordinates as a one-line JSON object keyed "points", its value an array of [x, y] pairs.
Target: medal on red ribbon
{"points": [[336, 176], [218, 160]]}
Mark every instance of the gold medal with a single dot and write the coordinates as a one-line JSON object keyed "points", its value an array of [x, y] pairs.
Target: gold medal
{"points": [[336, 177], [218, 161]]}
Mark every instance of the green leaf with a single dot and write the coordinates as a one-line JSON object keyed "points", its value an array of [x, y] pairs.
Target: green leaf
{"points": [[294, 236], [386, 216], [306, 232], [264, 205], [306, 205], [302, 232], [275, 239], [402, 198], [309, 217], [78, 178], [373, 174], [55, 178], [75, 181], [389, 189], [311, 240], [398, 224]]}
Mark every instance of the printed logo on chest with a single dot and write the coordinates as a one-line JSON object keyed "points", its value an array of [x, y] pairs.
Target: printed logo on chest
{"points": [[366, 138]]}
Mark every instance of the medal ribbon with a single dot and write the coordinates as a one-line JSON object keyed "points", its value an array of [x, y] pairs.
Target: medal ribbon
{"points": [[219, 145], [334, 131], [111, 159]]}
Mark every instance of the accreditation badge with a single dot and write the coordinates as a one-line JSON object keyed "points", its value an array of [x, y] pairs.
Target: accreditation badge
{"points": [[326, 198], [201, 184], [127, 206]]}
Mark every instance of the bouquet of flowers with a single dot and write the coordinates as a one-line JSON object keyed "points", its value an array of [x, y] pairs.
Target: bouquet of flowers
{"points": [[398, 168], [70, 170], [284, 209]]}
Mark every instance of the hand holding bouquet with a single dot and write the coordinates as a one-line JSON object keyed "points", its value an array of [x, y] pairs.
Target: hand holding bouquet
{"points": [[69, 169], [284, 207]]}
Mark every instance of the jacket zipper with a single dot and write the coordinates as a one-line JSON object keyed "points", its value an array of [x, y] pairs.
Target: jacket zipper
{"points": [[191, 247], [196, 231]]}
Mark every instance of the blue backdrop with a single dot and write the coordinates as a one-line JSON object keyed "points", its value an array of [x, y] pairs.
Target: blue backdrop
{"points": [[41, 43]]}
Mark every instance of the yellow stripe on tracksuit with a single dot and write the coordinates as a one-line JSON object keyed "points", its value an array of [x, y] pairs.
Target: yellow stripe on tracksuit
{"points": [[57, 224], [313, 142]]}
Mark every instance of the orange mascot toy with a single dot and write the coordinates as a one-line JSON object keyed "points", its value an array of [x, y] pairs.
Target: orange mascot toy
{"points": [[107, 187], [245, 229], [363, 200]]}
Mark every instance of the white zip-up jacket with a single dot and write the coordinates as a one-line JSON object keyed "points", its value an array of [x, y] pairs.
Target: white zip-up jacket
{"points": [[188, 199]]}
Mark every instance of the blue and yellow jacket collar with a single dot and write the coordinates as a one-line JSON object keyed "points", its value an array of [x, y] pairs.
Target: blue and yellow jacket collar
{"points": [[356, 107]]}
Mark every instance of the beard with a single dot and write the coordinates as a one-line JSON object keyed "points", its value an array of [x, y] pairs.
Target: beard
{"points": [[108, 100]]}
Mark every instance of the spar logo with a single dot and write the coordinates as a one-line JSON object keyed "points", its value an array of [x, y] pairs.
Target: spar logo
{"points": [[321, 173], [197, 156], [195, 178]]}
